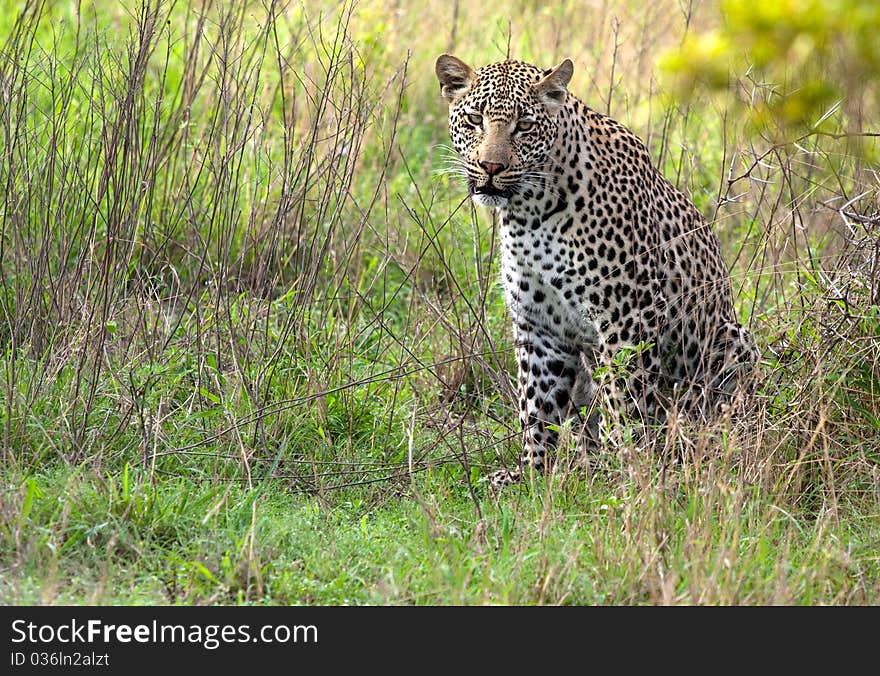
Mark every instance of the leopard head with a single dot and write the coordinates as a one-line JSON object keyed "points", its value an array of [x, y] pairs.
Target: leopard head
{"points": [[503, 121]]}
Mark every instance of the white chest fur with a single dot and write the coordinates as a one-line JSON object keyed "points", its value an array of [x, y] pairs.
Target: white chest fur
{"points": [[533, 262]]}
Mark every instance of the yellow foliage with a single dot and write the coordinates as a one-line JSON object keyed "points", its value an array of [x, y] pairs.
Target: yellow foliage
{"points": [[792, 58], [702, 58]]}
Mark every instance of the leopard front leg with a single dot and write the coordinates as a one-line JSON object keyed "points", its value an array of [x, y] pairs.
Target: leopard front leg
{"points": [[552, 386]]}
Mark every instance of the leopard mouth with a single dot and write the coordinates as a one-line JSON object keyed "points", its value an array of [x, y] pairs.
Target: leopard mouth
{"points": [[490, 190]]}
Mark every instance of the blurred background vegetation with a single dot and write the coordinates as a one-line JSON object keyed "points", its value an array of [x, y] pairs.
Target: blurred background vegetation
{"points": [[793, 66]]}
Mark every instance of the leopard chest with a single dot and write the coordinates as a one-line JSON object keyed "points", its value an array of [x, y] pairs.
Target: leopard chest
{"points": [[546, 279]]}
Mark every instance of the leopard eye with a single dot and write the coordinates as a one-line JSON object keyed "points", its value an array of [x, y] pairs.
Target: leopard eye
{"points": [[525, 125], [475, 119]]}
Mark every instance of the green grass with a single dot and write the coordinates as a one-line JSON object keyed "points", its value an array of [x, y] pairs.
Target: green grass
{"points": [[255, 348], [127, 539]]}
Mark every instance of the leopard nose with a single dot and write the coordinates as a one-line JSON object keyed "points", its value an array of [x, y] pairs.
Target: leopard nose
{"points": [[492, 168]]}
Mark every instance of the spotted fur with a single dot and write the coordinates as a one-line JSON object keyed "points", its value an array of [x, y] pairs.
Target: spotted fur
{"points": [[599, 252]]}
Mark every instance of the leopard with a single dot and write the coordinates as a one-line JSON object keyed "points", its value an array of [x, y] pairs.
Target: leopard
{"points": [[602, 258]]}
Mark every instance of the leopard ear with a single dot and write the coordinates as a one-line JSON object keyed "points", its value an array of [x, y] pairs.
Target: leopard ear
{"points": [[455, 76], [551, 89]]}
